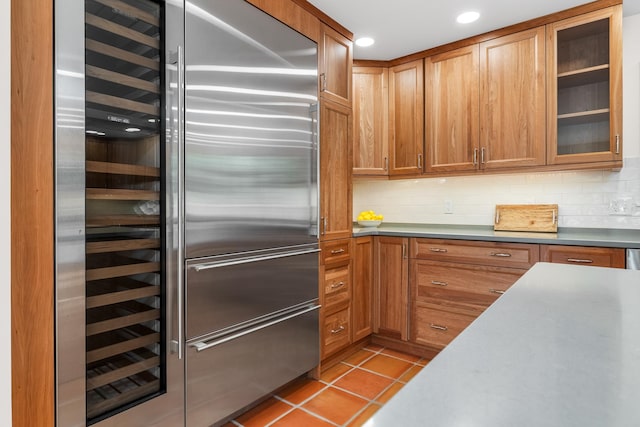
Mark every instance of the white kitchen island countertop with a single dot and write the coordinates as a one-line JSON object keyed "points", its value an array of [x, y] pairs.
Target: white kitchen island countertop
{"points": [[560, 348]]}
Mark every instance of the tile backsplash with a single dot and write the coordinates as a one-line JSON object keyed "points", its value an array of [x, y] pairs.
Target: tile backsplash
{"points": [[590, 199]]}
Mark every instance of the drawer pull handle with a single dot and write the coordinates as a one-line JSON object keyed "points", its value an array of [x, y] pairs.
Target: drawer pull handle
{"points": [[438, 327], [440, 250], [337, 285], [337, 330], [501, 254], [580, 261], [438, 283], [337, 251], [497, 291]]}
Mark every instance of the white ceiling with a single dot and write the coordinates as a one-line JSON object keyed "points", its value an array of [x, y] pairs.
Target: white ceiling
{"points": [[402, 27]]}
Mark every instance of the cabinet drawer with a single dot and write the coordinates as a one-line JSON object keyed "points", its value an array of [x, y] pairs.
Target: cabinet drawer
{"points": [[336, 251], [582, 255], [437, 328], [337, 285], [461, 286], [336, 332], [514, 255]]}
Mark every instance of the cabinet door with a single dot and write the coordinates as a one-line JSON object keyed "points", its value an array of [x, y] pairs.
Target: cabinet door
{"points": [[582, 255], [584, 56], [406, 118], [512, 100], [362, 296], [335, 54], [370, 129], [391, 287], [335, 171], [452, 129]]}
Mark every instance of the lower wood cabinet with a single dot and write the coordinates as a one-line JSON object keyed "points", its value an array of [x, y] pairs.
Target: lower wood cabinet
{"points": [[446, 297], [427, 291], [362, 294], [335, 296], [391, 287], [336, 332], [437, 328], [584, 255]]}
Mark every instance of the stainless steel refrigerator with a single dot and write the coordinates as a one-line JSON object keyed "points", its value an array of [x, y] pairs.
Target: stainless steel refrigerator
{"points": [[186, 210], [250, 206]]}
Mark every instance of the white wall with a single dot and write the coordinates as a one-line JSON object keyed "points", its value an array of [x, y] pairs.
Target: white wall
{"points": [[5, 211], [584, 198]]}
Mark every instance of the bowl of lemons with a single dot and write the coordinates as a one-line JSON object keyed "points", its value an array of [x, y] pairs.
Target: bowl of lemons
{"points": [[369, 219]]}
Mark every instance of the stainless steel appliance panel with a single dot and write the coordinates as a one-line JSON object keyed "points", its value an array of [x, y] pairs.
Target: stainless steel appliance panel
{"points": [[633, 259], [234, 292], [227, 374], [251, 132], [69, 214]]}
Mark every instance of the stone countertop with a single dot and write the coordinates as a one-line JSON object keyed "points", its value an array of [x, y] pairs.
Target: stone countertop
{"points": [[560, 348], [616, 238]]}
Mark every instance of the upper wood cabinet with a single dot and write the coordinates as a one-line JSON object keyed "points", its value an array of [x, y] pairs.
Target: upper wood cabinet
{"points": [[291, 14], [406, 118], [335, 53], [512, 100], [335, 171], [370, 121], [584, 63], [452, 129]]}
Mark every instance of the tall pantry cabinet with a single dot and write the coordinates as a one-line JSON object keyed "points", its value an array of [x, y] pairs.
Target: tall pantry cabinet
{"points": [[336, 130]]}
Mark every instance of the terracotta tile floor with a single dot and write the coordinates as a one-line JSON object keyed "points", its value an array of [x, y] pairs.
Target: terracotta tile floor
{"points": [[347, 394]]}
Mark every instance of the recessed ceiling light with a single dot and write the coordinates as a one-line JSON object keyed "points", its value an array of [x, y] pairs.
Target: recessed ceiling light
{"points": [[365, 41], [467, 17]]}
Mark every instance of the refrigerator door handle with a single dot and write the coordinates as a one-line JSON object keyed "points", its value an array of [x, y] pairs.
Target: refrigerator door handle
{"points": [[205, 344], [218, 264], [177, 206]]}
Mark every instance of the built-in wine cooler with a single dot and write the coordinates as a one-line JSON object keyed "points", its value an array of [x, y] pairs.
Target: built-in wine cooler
{"points": [[124, 259]]}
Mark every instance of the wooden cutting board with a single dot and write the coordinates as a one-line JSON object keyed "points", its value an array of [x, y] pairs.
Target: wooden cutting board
{"points": [[543, 218]]}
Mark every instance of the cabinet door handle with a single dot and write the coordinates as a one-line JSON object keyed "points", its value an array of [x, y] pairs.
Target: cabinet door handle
{"points": [[386, 163], [337, 330], [337, 251], [497, 291], [617, 144], [482, 155], [324, 226], [337, 285], [580, 261], [475, 157], [438, 283], [419, 161], [440, 250], [323, 78], [438, 327], [501, 254], [404, 251]]}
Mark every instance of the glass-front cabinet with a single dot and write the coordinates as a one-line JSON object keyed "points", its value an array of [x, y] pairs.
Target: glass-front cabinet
{"points": [[585, 88]]}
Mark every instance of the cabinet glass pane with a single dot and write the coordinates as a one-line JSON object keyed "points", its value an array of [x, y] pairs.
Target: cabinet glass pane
{"points": [[124, 256], [583, 88]]}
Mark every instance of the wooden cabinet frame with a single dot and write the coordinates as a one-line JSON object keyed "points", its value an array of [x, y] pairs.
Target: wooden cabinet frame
{"points": [[582, 118]]}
